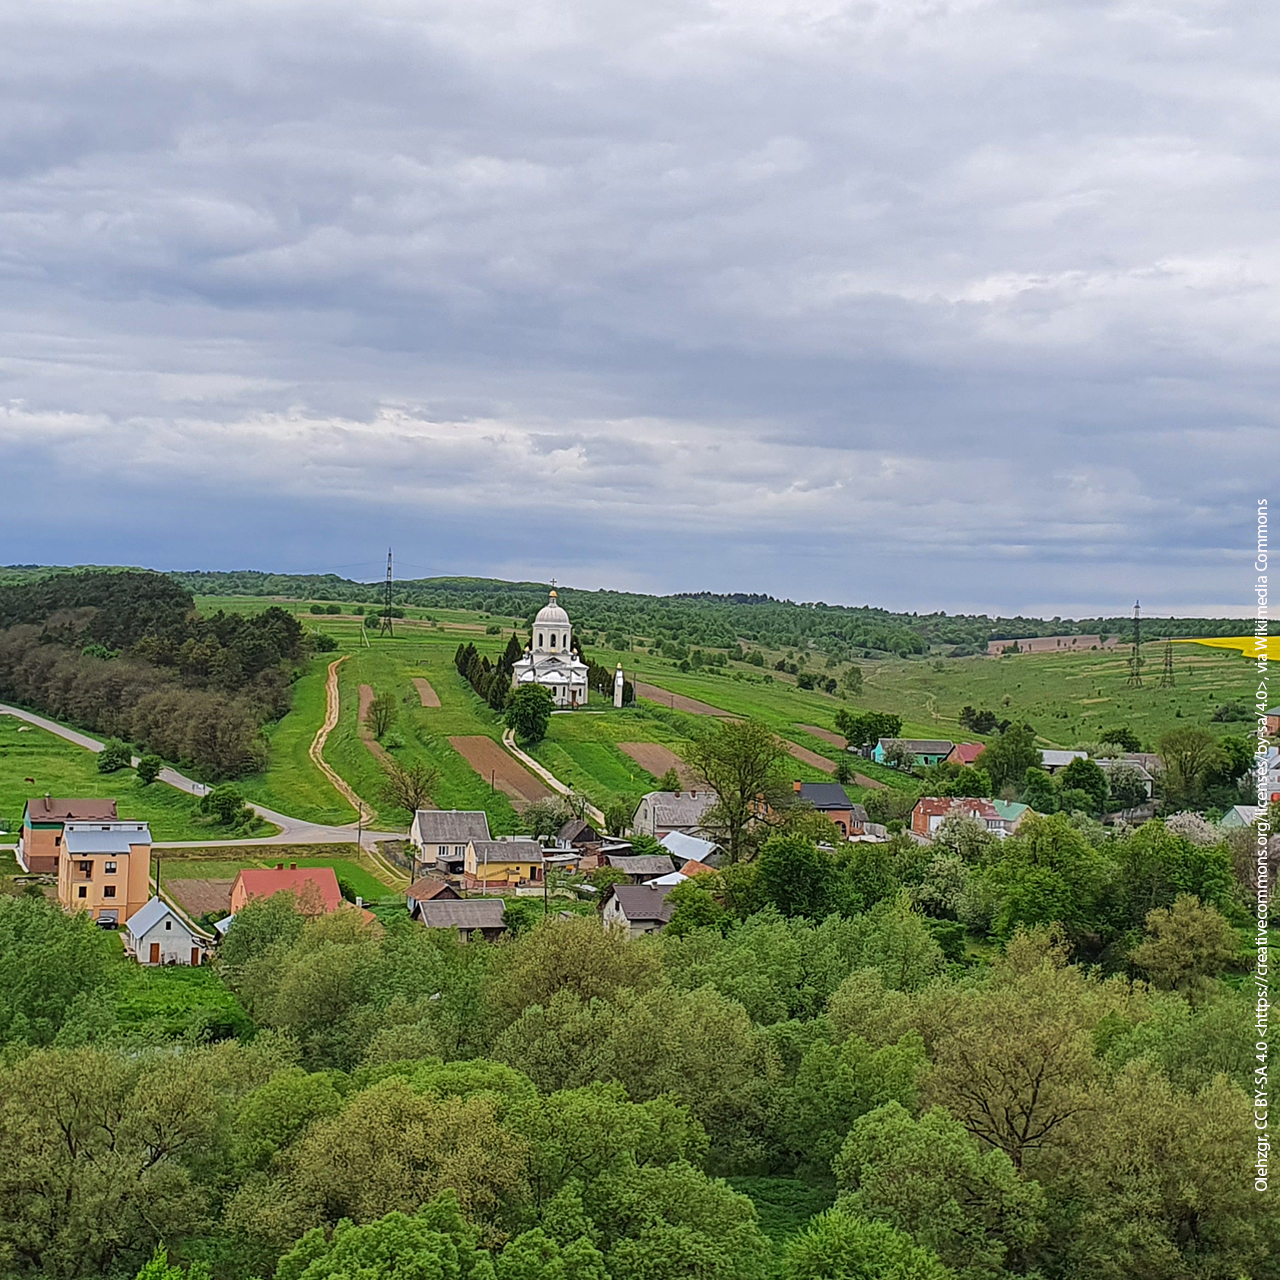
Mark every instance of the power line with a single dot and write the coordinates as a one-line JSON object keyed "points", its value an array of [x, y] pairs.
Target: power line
{"points": [[386, 628], [1135, 662], [1166, 676]]}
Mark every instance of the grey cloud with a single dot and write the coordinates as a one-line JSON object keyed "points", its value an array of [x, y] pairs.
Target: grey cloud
{"points": [[932, 304]]}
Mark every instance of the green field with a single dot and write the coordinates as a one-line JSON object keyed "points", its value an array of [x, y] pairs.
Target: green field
{"points": [[165, 1001], [62, 769], [1068, 698]]}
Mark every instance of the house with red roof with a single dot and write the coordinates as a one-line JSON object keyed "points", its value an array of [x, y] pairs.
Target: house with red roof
{"points": [[931, 811], [965, 753], [316, 888]]}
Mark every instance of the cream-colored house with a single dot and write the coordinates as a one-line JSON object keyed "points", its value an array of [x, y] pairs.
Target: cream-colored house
{"points": [[105, 869]]}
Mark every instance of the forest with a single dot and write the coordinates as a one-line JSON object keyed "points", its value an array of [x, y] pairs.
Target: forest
{"points": [[125, 654], [970, 1061]]}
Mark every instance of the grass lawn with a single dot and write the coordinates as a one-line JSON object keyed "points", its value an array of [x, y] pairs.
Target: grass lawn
{"points": [[62, 769], [292, 784], [785, 1205], [357, 870], [164, 1001]]}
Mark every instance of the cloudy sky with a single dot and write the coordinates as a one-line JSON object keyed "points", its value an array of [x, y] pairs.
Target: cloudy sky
{"points": [[963, 304]]}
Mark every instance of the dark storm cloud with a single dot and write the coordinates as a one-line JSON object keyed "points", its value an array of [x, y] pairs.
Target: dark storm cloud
{"points": [[964, 304]]}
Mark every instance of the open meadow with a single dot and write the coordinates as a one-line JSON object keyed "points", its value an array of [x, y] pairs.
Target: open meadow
{"points": [[60, 768], [1067, 697]]}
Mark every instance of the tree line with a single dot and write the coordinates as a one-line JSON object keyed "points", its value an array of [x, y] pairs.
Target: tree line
{"points": [[125, 654]]}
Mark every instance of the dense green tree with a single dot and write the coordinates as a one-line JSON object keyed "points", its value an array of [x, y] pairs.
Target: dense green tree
{"points": [[839, 1246], [866, 728], [529, 713], [1007, 758], [798, 878], [114, 756], [149, 767], [1186, 945], [1046, 873], [53, 966], [930, 1178], [1189, 755], [434, 1244], [835, 1084], [695, 906], [1086, 775], [745, 763]]}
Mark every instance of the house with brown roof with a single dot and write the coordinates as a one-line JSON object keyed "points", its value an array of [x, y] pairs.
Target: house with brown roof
{"points": [[43, 823], [637, 908], [429, 889], [964, 753], [931, 811], [315, 888]]}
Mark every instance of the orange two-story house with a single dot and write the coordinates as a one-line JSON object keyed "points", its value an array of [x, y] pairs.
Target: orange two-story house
{"points": [[105, 869]]}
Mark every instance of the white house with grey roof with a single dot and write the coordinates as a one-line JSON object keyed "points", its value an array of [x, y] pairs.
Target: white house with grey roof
{"points": [[441, 836], [159, 934], [661, 812]]}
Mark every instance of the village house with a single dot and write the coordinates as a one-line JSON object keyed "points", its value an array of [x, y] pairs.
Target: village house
{"points": [[43, 820], [440, 837], [661, 812], [640, 867], [931, 811], [1052, 760], [579, 834], [832, 799], [105, 869], [927, 751], [1107, 764], [426, 890], [315, 888], [158, 933], [473, 918], [1240, 815], [685, 848], [964, 753], [502, 864], [1271, 718], [637, 908]]}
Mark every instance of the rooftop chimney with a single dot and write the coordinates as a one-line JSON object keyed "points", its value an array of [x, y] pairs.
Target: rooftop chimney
{"points": [[293, 866], [693, 795], [279, 866], [795, 786], [47, 804]]}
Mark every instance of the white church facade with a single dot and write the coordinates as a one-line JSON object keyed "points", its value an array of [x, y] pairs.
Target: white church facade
{"points": [[550, 660]]}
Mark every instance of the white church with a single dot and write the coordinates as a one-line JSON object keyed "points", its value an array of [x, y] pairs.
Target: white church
{"points": [[550, 660]]}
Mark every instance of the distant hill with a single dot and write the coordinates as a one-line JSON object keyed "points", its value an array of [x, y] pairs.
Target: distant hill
{"points": [[709, 619]]}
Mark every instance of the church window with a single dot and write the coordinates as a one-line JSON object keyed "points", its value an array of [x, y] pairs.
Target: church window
{"points": [[539, 639], [553, 639]]}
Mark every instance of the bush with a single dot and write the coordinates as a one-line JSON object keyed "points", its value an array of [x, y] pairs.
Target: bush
{"points": [[114, 755], [317, 608], [333, 608], [323, 643], [149, 769]]}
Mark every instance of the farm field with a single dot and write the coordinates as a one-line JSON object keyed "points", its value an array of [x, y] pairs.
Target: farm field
{"points": [[60, 768], [1069, 698]]}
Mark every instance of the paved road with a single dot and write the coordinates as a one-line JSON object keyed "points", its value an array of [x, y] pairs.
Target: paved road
{"points": [[292, 830], [509, 741]]}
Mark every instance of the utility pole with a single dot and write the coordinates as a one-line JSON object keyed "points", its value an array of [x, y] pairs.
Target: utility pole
{"points": [[1135, 661], [385, 629]]}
